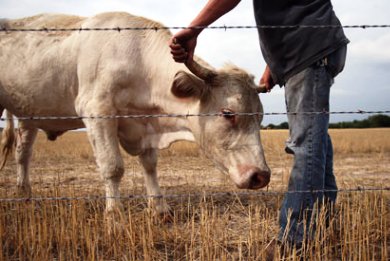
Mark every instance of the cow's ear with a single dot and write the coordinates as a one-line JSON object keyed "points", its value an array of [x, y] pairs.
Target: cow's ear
{"points": [[186, 85]]}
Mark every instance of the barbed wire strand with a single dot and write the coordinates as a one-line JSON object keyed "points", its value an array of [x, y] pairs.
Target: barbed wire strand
{"points": [[220, 27], [201, 194], [174, 115]]}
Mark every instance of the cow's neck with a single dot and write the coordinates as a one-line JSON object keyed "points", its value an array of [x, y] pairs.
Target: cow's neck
{"points": [[160, 132], [164, 130], [139, 135], [164, 138]]}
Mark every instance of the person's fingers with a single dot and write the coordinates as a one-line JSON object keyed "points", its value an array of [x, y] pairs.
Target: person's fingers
{"points": [[175, 46], [265, 85], [180, 58], [178, 52], [182, 49], [262, 88]]}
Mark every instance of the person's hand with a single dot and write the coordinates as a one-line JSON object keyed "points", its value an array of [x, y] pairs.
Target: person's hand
{"points": [[183, 45], [266, 81]]}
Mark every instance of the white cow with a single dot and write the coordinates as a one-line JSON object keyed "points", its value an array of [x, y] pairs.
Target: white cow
{"points": [[100, 73]]}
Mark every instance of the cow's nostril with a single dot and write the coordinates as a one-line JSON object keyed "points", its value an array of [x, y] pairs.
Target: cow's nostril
{"points": [[259, 179]]}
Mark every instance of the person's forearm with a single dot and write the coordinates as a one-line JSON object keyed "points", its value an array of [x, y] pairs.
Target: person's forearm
{"points": [[213, 10]]}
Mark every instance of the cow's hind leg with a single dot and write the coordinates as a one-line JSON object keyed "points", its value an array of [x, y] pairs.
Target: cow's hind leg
{"points": [[148, 160], [103, 137], [24, 144]]}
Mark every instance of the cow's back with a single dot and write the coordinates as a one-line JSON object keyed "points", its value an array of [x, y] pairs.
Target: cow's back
{"points": [[42, 71], [136, 62], [46, 21], [38, 68]]}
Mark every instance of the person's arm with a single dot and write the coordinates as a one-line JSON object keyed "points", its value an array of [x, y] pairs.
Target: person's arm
{"points": [[213, 10], [266, 81], [183, 43]]}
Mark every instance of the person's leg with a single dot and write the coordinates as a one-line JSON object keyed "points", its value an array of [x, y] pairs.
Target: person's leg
{"points": [[330, 184], [330, 180], [306, 92]]}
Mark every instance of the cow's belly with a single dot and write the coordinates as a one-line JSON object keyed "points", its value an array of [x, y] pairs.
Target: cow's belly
{"points": [[57, 125]]}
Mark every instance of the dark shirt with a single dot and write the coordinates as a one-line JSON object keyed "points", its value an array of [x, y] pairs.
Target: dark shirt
{"points": [[289, 51]]}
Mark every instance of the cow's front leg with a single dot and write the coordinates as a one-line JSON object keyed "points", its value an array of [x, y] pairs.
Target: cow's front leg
{"points": [[148, 160], [24, 143], [103, 137]]}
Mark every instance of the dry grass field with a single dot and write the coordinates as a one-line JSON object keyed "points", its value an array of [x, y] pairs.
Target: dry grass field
{"points": [[212, 219]]}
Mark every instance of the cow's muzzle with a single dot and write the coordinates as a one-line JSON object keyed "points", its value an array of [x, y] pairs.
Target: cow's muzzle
{"points": [[254, 178], [259, 179]]}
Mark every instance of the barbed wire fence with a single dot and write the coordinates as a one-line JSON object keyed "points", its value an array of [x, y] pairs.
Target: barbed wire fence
{"points": [[174, 115], [5, 29], [201, 194], [223, 27], [190, 195]]}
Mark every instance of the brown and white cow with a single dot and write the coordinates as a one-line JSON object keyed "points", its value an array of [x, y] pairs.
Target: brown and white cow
{"points": [[100, 73]]}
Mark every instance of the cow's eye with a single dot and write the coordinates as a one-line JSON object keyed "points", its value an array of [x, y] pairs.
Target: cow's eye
{"points": [[228, 114]]}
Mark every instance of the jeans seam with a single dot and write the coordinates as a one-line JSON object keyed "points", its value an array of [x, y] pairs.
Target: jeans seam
{"points": [[310, 133]]}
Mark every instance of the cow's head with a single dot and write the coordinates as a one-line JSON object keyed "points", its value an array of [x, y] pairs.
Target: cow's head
{"points": [[231, 141]]}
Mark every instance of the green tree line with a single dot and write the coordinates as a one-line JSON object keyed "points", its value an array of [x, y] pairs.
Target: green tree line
{"points": [[375, 121]]}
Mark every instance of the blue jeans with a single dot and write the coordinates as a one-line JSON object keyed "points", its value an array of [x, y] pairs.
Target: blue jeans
{"points": [[309, 142]]}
